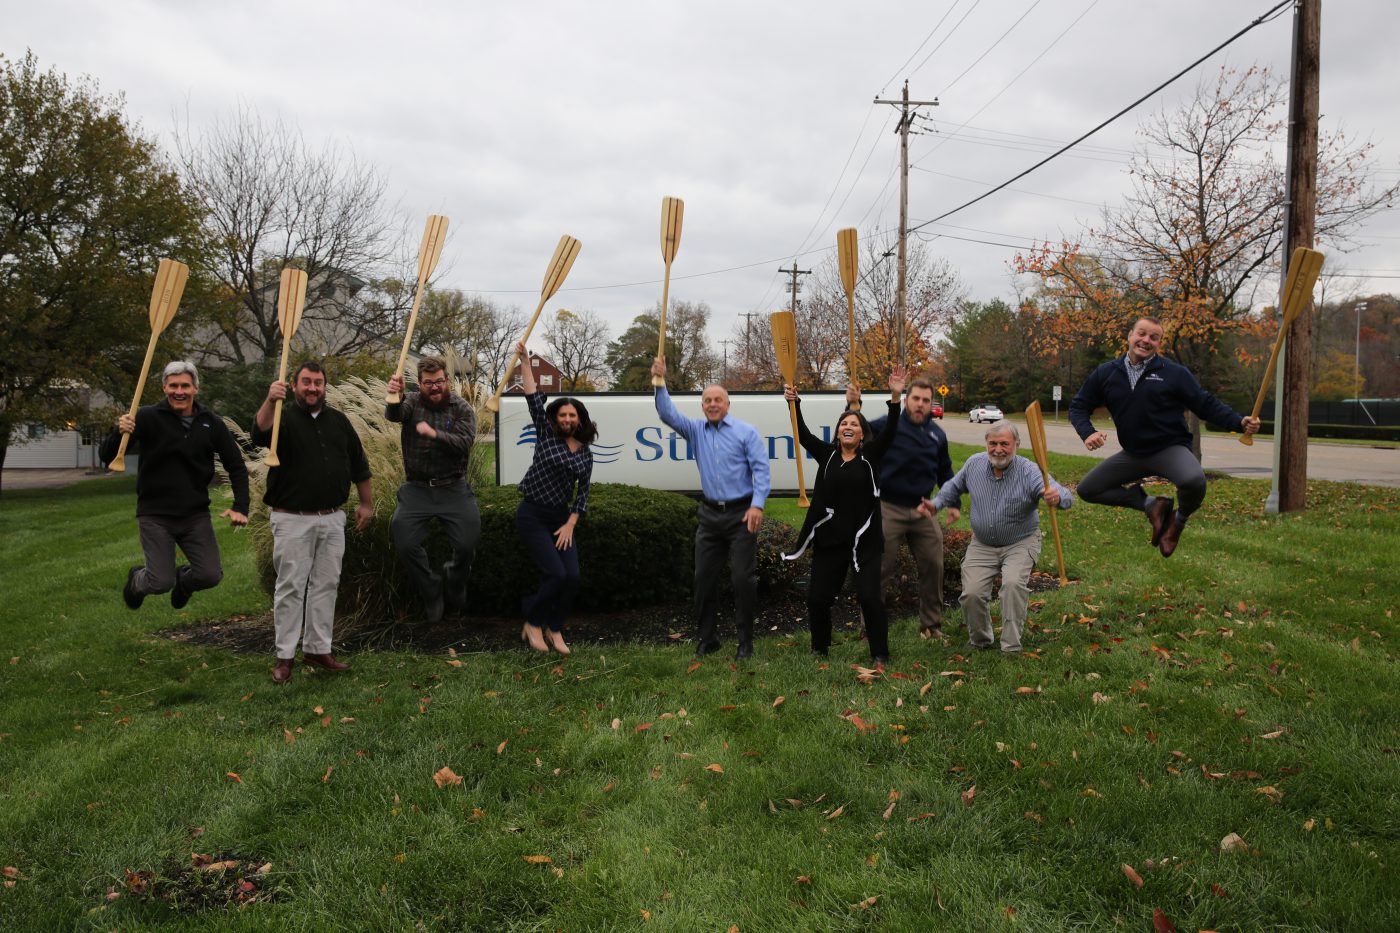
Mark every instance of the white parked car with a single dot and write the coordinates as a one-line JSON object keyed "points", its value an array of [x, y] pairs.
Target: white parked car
{"points": [[985, 413]]}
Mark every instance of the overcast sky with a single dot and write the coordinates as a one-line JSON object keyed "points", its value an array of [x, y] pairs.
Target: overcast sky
{"points": [[523, 121]]}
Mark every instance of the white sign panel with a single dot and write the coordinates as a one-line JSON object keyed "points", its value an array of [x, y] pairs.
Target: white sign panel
{"points": [[1056, 395], [634, 446]]}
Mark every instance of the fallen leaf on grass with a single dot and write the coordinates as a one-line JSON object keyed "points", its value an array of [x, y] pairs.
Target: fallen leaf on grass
{"points": [[642, 727], [866, 904], [224, 865], [968, 795], [951, 674], [920, 818], [288, 736], [646, 916], [860, 724], [1027, 691], [445, 776], [837, 812], [537, 859], [716, 768], [326, 778], [236, 779], [1273, 793], [779, 702], [1273, 735], [803, 879], [1161, 923], [1133, 876], [889, 811], [1233, 843], [608, 787], [502, 747], [694, 666], [318, 711], [1102, 697], [616, 723], [1218, 891]]}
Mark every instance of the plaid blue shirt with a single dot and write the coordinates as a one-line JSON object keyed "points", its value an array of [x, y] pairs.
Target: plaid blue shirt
{"points": [[732, 459], [556, 469], [1005, 508]]}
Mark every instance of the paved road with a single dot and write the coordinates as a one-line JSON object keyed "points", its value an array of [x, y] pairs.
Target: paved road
{"points": [[1346, 463]]}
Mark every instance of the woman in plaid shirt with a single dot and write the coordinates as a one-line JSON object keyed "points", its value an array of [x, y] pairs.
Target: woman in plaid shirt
{"points": [[561, 471]]}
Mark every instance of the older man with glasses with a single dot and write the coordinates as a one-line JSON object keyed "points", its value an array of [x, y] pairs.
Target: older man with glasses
{"points": [[439, 428]]}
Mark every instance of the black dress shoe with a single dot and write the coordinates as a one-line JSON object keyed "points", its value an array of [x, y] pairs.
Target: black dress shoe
{"points": [[132, 598], [744, 653], [1170, 537], [432, 613], [1159, 514], [325, 662], [180, 596], [282, 672], [818, 652], [880, 660], [706, 647]]}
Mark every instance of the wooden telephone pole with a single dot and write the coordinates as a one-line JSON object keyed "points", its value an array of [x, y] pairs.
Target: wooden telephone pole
{"points": [[1289, 493], [901, 295]]}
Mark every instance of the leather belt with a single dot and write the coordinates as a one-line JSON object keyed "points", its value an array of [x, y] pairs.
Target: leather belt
{"points": [[310, 512], [433, 481], [731, 505]]}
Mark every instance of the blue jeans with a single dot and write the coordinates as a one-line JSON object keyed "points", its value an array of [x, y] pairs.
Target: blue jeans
{"points": [[559, 578]]}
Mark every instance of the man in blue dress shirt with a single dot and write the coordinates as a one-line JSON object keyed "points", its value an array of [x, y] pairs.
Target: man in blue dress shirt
{"points": [[734, 478]]}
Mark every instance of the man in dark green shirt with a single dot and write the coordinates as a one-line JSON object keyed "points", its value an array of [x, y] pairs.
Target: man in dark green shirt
{"points": [[438, 431], [321, 456]]}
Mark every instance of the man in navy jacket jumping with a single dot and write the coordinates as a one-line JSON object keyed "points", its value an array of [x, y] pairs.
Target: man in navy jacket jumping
{"points": [[1147, 397]]}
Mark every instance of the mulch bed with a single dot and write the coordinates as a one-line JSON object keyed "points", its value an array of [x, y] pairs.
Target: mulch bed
{"points": [[672, 623]]}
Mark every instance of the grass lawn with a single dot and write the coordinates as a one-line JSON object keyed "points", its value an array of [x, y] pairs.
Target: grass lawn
{"points": [[1248, 685]]}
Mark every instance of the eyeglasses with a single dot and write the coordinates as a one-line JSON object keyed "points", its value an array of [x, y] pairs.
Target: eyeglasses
{"points": [[433, 383]]}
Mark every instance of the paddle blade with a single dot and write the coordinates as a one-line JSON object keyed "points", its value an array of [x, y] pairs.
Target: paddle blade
{"points": [[1303, 269], [784, 327], [430, 250], [165, 294], [848, 256], [559, 265], [291, 299], [672, 214]]}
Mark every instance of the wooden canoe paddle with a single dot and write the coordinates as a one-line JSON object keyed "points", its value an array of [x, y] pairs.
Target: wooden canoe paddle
{"points": [[291, 298], [429, 251], [165, 300], [1035, 427], [1303, 270], [849, 260], [784, 327], [672, 214], [558, 270]]}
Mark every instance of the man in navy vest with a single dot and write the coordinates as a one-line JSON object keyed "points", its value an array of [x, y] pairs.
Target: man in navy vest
{"points": [[1147, 396]]}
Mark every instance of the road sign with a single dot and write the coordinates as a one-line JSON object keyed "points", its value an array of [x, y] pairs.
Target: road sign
{"points": [[1056, 395], [943, 391]]}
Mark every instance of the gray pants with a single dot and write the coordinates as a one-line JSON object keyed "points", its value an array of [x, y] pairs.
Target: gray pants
{"points": [[1104, 484], [193, 534], [454, 506], [720, 535], [925, 538], [980, 567], [306, 553]]}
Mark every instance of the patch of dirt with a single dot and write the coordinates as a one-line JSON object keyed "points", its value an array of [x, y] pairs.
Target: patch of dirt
{"points": [[206, 882], [674, 623]]}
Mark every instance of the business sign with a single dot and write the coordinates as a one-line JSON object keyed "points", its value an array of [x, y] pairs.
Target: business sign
{"points": [[634, 446], [1055, 393]]}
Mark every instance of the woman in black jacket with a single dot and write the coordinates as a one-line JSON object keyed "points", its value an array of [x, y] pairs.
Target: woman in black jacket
{"points": [[843, 525]]}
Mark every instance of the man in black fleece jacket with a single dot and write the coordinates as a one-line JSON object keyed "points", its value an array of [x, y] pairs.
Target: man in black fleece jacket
{"points": [[177, 439], [1147, 397]]}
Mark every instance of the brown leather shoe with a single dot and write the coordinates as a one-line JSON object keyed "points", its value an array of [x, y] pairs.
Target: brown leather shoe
{"points": [[1159, 514], [1170, 537], [283, 671], [326, 662]]}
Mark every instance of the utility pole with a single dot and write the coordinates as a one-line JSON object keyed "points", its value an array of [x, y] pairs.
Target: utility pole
{"points": [[1289, 492], [748, 317], [901, 294], [794, 272], [725, 369]]}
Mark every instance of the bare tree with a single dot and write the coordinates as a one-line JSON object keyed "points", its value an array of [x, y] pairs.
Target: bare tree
{"points": [[579, 340], [474, 329], [273, 202]]}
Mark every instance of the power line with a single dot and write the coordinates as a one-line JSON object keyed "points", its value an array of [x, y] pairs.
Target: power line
{"points": [[940, 45], [1257, 22], [900, 69], [988, 51]]}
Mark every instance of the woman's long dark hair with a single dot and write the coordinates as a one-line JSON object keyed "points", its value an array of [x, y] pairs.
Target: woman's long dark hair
{"points": [[865, 433], [586, 432]]}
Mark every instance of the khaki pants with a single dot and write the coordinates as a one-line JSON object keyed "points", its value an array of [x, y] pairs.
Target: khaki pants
{"points": [[925, 538], [979, 569], [306, 553]]}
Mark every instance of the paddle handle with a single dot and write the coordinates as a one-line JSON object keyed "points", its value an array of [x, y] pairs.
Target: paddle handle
{"points": [[118, 464], [270, 458], [802, 501], [658, 381], [393, 398], [851, 356], [494, 402]]}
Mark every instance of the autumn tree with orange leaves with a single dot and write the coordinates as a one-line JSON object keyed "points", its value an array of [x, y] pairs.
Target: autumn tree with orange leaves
{"points": [[1196, 242]]}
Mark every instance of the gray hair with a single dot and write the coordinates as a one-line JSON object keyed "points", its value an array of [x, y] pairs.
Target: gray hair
{"points": [[1004, 427], [180, 368]]}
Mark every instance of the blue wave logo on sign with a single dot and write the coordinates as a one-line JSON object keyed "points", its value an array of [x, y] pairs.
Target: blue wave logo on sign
{"points": [[602, 453]]}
